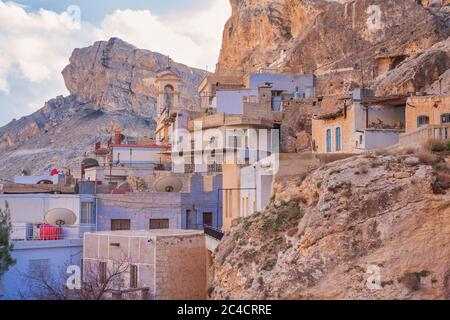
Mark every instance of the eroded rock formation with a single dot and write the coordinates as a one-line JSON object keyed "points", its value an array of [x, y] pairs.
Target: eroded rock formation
{"points": [[329, 235], [342, 42], [115, 75], [111, 82]]}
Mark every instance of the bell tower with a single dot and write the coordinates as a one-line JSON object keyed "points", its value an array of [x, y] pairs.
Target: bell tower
{"points": [[168, 102], [168, 91]]}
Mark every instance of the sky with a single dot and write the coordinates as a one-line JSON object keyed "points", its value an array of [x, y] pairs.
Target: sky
{"points": [[38, 37]]}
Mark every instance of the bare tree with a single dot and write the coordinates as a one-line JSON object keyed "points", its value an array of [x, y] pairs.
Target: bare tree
{"points": [[43, 284], [97, 283]]}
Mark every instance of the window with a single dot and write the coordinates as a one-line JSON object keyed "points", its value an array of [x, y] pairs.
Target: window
{"points": [[329, 141], [156, 224], [102, 272], [446, 118], [422, 121], [338, 139], [168, 96], [39, 266], [133, 277], [208, 219], [120, 224], [88, 214]]}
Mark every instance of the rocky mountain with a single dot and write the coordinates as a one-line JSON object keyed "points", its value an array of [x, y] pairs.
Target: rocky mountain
{"points": [[368, 227], [343, 42], [111, 82]]}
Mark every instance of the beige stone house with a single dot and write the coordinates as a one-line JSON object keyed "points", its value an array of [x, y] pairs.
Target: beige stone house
{"points": [[358, 123], [165, 264], [427, 117]]}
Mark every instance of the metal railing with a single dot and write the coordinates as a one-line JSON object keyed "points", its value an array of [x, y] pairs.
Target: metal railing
{"points": [[214, 232], [43, 232], [438, 132]]}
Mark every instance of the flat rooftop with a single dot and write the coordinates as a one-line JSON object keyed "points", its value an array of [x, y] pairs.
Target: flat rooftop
{"points": [[150, 233]]}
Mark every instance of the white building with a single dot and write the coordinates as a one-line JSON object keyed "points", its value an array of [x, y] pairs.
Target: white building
{"points": [[283, 87], [138, 155], [37, 251]]}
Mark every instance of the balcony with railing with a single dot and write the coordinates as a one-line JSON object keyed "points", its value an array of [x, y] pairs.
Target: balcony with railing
{"points": [[425, 133], [28, 232]]}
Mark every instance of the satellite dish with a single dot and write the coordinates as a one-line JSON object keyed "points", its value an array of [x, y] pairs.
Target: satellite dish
{"points": [[60, 217], [90, 163], [25, 172], [169, 185]]}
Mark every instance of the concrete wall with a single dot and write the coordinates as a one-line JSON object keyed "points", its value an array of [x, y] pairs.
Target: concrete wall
{"points": [[53, 256], [139, 208], [231, 102], [171, 263], [202, 198], [381, 138], [232, 195]]}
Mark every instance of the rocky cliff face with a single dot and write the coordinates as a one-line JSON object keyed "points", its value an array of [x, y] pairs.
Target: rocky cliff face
{"points": [[110, 82], [339, 41], [369, 227], [115, 75]]}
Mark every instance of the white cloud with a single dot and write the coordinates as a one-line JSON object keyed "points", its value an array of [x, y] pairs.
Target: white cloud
{"points": [[192, 38], [36, 46], [38, 43]]}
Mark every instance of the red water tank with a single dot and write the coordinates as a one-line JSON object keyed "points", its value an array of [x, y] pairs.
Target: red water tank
{"points": [[54, 172], [48, 232]]}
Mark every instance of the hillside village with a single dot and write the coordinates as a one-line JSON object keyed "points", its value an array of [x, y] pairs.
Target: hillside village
{"points": [[268, 183]]}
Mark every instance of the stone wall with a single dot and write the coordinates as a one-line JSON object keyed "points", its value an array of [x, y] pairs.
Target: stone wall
{"points": [[296, 125], [181, 268]]}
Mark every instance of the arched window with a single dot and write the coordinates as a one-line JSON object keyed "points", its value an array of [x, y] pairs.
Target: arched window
{"points": [[338, 139], [445, 118], [169, 93], [329, 141], [422, 121]]}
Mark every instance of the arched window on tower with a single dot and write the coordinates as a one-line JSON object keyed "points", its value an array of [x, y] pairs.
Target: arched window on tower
{"points": [[169, 95]]}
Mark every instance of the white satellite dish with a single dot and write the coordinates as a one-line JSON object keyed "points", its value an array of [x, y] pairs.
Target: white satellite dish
{"points": [[168, 184], [60, 218]]}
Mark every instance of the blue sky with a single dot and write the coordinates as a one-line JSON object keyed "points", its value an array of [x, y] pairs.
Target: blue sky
{"points": [[94, 11], [37, 38]]}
